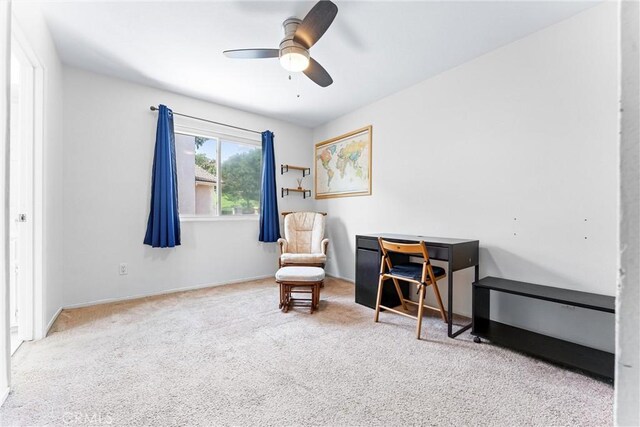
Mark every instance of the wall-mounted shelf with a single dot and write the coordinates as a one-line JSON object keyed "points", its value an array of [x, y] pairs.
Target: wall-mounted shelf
{"points": [[305, 193], [287, 168]]}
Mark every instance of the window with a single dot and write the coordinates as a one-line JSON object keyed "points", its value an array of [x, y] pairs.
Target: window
{"points": [[217, 175]]}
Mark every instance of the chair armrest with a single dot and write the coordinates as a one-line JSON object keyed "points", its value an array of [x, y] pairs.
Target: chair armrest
{"points": [[283, 245], [324, 244]]}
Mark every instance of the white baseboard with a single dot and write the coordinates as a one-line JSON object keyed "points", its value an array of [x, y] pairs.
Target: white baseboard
{"points": [[52, 321], [164, 292], [4, 395], [340, 277]]}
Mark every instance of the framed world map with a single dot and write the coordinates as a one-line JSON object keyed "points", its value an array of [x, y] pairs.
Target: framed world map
{"points": [[343, 165]]}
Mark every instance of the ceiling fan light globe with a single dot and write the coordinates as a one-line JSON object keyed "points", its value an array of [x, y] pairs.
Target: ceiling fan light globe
{"points": [[294, 59]]}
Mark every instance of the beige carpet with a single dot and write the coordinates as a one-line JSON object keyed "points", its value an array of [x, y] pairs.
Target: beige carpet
{"points": [[228, 356]]}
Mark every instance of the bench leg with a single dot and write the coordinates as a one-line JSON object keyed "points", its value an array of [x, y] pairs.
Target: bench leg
{"points": [[285, 303], [314, 295], [313, 299], [318, 288]]}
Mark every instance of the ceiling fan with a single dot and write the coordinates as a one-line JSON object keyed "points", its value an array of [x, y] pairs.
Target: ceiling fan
{"points": [[299, 36]]}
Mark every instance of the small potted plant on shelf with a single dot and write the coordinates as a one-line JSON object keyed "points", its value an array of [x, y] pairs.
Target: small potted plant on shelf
{"points": [[299, 183]]}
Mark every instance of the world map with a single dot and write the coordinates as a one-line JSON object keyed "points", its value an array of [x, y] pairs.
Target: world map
{"points": [[343, 166]]}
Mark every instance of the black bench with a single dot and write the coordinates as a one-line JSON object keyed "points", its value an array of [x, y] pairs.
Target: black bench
{"points": [[594, 361]]}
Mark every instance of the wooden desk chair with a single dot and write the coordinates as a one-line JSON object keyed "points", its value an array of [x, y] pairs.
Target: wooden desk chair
{"points": [[422, 275]]}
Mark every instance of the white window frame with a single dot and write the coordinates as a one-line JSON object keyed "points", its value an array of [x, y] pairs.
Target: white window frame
{"points": [[218, 136]]}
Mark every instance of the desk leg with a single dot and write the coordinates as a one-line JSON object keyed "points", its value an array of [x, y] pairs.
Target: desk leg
{"points": [[450, 304]]}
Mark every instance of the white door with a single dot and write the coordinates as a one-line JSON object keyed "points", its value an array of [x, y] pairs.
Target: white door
{"points": [[21, 197]]}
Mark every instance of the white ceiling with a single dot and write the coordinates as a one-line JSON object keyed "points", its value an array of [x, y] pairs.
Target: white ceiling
{"points": [[373, 48]]}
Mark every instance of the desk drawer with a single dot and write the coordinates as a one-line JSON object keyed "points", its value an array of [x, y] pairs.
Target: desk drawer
{"points": [[435, 252], [438, 252], [367, 243]]}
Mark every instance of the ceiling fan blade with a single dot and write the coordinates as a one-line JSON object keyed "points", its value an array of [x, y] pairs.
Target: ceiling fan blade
{"points": [[315, 24], [252, 53], [317, 73]]}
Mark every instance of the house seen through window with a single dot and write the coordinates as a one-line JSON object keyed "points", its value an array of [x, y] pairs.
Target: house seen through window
{"points": [[217, 176]]}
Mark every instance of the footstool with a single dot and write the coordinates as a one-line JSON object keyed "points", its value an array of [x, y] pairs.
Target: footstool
{"points": [[300, 280]]}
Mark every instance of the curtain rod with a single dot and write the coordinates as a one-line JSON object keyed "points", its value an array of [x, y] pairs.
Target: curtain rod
{"points": [[154, 108]]}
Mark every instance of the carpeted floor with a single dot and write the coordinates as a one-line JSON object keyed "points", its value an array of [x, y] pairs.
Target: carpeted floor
{"points": [[228, 356]]}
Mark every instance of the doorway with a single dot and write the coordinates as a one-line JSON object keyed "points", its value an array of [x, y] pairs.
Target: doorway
{"points": [[21, 185]]}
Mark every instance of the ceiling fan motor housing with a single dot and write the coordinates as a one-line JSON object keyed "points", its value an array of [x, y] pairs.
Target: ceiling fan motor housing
{"points": [[293, 56], [299, 37]]}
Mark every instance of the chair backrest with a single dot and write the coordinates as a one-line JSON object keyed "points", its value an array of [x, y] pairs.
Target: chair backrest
{"points": [[304, 232], [419, 249]]}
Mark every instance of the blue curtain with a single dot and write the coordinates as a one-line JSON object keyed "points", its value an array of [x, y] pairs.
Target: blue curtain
{"points": [[163, 226], [269, 221]]}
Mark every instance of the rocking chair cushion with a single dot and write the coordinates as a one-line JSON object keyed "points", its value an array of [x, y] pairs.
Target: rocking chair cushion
{"points": [[414, 271], [290, 258]]}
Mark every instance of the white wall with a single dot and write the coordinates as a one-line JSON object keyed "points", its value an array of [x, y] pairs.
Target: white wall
{"points": [[628, 309], [109, 141], [34, 28], [517, 148]]}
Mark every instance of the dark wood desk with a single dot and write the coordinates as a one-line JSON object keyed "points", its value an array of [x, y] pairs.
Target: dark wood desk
{"points": [[458, 253]]}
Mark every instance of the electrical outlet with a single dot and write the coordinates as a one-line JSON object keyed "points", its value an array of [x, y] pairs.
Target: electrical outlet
{"points": [[123, 269]]}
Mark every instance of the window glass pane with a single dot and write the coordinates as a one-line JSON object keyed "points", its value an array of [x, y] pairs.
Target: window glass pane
{"points": [[241, 167], [197, 178], [185, 151]]}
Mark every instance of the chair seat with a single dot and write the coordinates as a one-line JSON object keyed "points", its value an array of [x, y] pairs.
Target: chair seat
{"points": [[414, 271], [300, 274], [291, 258]]}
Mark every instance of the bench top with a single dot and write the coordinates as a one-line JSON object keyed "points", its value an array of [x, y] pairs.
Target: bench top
{"points": [[549, 293]]}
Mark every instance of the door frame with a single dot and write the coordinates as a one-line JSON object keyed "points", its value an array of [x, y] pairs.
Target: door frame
{"points": [[32, 320]]}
